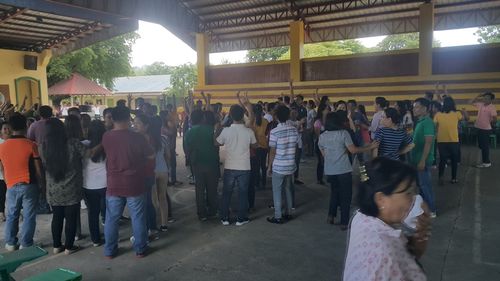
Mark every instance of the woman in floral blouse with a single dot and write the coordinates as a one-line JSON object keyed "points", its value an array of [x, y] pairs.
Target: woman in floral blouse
{"points": [[62, 158], [378, 249]]}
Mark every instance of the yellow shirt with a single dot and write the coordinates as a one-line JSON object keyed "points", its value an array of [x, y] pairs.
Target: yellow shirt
{"points": [[447, 126], [260, 133]]}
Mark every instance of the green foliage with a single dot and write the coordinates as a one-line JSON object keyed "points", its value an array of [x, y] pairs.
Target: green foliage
{"points": [[402, 41], [182, 79], [488, 34], [266, 54], [156, 68], [101, 62], [333, 48]]}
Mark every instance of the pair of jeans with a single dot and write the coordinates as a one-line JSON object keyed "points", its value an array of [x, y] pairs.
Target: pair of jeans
{"points": [[298, 155], [425, 185], [3, 193], [241, 179], [64, 216], [483, 140], [206, 189], [21, 196], [449, 150], [340, 196], [261, 165], [280, 183], [96, 204], [150, 209], [114, 209]]}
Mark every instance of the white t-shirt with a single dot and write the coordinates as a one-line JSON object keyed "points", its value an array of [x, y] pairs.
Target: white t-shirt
{"points": [[237, 140], [94, 174]]}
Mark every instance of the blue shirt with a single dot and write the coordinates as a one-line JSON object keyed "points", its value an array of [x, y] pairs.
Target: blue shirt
{"points": [[391, 141], [285, 139]]}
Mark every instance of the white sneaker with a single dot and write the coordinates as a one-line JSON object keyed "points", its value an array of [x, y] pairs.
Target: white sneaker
{"points": [[10, 248], [224, 222], [433, 215], [483, 165], [57, 250], [240, 223]]}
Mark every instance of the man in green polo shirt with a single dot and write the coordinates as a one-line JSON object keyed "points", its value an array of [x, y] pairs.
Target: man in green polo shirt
{"points": [[203, 155], [423, 152]]}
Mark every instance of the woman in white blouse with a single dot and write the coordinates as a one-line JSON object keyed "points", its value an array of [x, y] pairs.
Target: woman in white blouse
{"points": [[378, 248], [94, 181]]}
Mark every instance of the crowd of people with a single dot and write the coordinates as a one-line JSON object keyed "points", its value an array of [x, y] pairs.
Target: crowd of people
{"points": [[122, 161]]}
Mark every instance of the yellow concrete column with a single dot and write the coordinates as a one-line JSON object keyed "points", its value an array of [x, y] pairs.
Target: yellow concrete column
{"points": [[426, 30], [202, 57], [296, 49]]}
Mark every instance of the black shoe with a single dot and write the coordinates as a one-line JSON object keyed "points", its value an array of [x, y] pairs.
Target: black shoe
{"points": [[270, 206], [275, 220], [299, 182], [288, 217], [321, 182]]}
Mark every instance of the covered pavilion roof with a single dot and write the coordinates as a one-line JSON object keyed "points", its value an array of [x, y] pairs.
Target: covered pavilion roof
{"points": [[78, 85], [249, 24], [231, 24]]}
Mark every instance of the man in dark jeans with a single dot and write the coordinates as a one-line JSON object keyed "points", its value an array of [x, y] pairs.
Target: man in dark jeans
{"points": [[237, 140], [486, 114], [204, 156]]}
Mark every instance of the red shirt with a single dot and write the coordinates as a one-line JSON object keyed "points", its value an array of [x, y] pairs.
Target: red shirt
{"points": [[127, 153]]}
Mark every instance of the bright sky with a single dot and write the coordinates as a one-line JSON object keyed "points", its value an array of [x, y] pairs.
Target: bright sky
{"points": [[159, 44]]}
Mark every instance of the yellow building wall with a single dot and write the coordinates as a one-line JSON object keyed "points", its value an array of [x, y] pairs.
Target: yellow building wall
{"points": [[462, 87], [30, 82]]}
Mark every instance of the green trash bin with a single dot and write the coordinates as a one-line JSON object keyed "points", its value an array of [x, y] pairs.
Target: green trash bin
{"points": [[59, 274]]}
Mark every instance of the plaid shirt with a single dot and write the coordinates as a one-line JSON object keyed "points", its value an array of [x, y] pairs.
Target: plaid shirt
{"points": [[285, 139]]}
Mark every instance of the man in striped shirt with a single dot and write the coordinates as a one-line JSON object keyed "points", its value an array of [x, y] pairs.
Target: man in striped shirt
{"points": [[283, 141]]}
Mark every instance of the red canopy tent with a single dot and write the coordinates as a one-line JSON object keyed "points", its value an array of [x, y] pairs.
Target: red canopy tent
{"points": [[78, 85]]}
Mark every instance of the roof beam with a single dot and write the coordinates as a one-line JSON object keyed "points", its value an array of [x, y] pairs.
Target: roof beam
{"points": [[304, 11], [66, 36], [217, 14], [11, 14], [64, 9]]}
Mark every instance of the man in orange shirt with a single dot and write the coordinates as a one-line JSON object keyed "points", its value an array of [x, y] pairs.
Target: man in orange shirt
{"points": [[22, 169]]}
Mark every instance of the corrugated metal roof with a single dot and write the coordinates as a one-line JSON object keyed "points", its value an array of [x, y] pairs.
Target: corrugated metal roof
{"points": [[141, 84]]}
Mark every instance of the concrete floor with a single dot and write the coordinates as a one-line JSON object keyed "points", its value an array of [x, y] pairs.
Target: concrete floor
{"points": [[465, 244]]}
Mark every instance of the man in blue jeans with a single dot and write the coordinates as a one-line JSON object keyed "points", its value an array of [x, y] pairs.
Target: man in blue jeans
{"points": [[422, 154], [22, 169], [126, 155], [283, 141], [237, 140]]}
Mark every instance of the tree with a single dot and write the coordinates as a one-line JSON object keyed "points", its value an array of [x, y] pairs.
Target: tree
{"points": [[266, 54], [156, 68], [182, 79], [488, 34], [402, 41], [332, 48], [101, 62]]}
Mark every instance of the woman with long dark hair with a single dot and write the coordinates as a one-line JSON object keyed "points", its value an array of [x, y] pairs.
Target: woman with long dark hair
{"points": [[258, 157], [141, 125], [62, 158], [447, 137], [94, 180]]}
